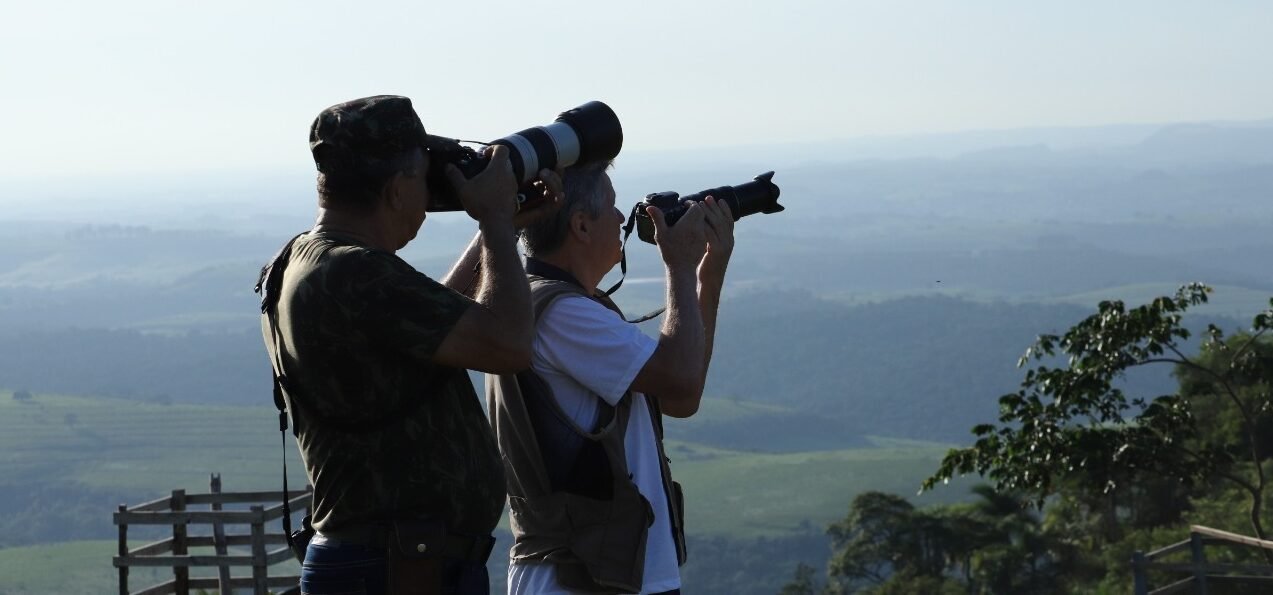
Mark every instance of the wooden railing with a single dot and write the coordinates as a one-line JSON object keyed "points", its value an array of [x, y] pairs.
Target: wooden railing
{"points": [[1199, 573], [263, 508]]}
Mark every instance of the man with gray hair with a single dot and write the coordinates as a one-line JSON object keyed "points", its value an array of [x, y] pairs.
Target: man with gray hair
{"points": [[369, 356], [593, 506]]}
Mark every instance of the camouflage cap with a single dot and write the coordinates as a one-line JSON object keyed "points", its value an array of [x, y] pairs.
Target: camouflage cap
{"points": [[364, 134]]}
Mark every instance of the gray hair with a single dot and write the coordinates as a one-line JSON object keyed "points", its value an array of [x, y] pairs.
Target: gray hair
{"points": [[581, 184]]}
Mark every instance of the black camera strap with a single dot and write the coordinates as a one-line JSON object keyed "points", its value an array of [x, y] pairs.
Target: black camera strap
{"points": [[543, 269], [269, 284], [623, 265]]}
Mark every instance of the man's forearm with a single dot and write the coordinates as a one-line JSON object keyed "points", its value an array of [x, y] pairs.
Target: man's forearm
{"points": [[502, 286], [463, 275], [708, 305], [683, 329]]}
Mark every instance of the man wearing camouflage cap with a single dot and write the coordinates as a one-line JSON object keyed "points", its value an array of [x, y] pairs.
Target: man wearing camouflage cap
{"points": [[371, 357]]}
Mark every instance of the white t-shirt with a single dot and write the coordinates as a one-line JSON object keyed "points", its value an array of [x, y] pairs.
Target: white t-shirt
{"points": [[583, 350]]}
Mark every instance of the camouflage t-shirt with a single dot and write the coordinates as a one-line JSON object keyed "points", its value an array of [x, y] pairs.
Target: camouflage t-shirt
{"points": [[359, 329]]}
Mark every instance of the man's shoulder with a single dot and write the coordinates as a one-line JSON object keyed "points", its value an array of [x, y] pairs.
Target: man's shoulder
{"points": [[340, 254], [335, 264]]}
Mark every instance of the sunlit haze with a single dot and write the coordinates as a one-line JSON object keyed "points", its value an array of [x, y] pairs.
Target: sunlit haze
{"points": [[124, 87]]}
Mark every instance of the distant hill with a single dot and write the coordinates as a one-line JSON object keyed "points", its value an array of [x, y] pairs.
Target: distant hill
{"points": [[918, 367]]}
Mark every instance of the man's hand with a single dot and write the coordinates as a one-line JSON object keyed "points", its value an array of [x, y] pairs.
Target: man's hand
{"points": [[720, 241], [682, 245], [491, 195], [550, 188]]}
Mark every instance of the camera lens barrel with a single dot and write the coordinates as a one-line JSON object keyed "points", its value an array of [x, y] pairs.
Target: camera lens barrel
{"points": [[757, 196], [590, 132]]}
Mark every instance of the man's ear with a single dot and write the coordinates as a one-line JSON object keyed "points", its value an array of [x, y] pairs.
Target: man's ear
{"points": [[579, 226], [390, 193]]}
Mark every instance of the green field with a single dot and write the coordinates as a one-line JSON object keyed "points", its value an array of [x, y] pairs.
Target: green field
{"points": [[145, 450], [83, 567], [123, 445]]}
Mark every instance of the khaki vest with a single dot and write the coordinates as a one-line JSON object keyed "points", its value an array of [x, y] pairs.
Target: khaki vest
{"points": [[586, 516]]}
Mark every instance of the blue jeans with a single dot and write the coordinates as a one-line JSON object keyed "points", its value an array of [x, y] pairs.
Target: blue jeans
{"points": [[353, 569]]}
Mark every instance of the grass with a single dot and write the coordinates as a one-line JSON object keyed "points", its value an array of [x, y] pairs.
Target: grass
{"points": [[747, 494], [149, 449], [126, 445], [84, 567]]}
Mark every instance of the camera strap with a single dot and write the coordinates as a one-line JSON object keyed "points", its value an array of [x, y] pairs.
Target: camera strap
{"points": [[543, 269], [269, 285], [623, 265]]}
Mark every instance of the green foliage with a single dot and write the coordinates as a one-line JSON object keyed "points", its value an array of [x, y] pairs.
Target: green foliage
{"points": [[803, 583], [1116, 472], [994, 545], [1073, 424]]}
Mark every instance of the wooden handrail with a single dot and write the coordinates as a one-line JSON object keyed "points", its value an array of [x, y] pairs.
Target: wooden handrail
{"points": [[1223, 536], [1201, 571], [175, 552]]}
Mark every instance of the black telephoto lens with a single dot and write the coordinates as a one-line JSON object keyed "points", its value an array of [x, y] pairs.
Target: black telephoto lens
{"points": [[757, 196]]}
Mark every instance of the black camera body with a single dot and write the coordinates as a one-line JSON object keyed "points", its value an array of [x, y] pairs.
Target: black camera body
{"points": [[590, 132], [757, 196]]}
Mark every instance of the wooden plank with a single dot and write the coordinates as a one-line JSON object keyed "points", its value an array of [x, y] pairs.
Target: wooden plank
{"points": [[1233, 579], [218, 538], [243, 497], [152, 506], [260, 566], [246, 582], [183, 561], [1199, 559], [1212, 569], [1225, 536], [163, 546], [123, 551], [276, 511], [283, 554], [1181, 586], [233, 539], [185, 517], [163, 588], [181, 574], [1175, 547]]}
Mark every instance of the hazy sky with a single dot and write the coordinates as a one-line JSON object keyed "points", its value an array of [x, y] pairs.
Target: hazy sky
{"points": [[119, 86]]}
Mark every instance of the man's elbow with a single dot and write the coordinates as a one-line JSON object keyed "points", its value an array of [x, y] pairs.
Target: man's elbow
{"points": [[508, 359], [684, 399], [680, 409]]}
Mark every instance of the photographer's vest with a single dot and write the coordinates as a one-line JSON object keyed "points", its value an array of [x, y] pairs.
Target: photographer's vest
{"points": [[571, 498]]}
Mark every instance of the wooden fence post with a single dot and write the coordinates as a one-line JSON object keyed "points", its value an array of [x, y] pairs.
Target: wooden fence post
{"points": [[1140, 583], [181, 574], [1199, 559], [123, 551], [259, 582], [218, 538]]}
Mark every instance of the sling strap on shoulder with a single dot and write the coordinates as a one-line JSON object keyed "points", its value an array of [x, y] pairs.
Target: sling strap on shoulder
{"points": [[268, 285]]}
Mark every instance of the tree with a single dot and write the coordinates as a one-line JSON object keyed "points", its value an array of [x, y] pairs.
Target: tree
{"points": [[1071, 425], [993, 545], [802, 583]]}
